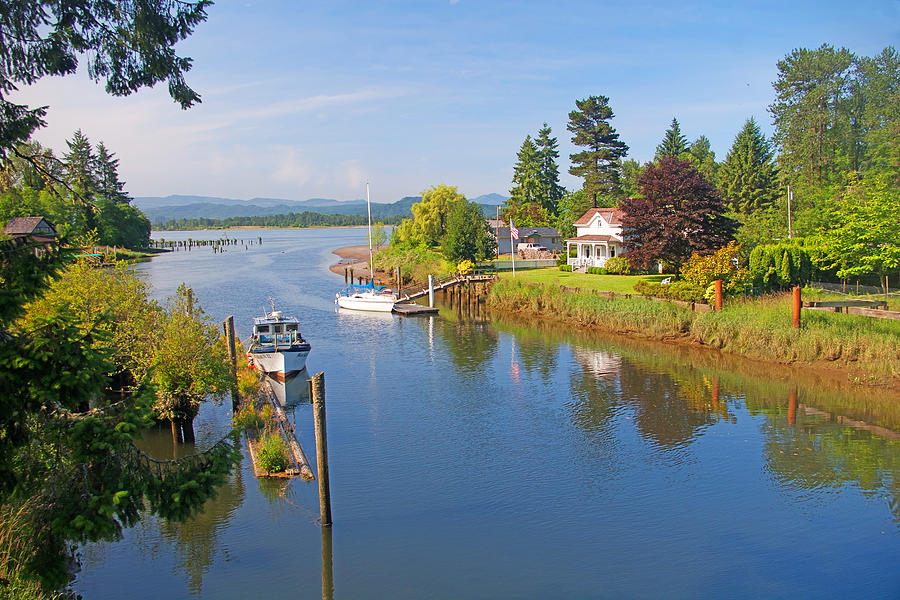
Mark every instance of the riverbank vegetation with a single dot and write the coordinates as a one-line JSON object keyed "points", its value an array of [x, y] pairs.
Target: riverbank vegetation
{"points": [[288, 220], [757, 328]]}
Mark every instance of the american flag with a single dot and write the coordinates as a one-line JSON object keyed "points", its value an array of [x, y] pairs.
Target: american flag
{"points": [[513, 230]]}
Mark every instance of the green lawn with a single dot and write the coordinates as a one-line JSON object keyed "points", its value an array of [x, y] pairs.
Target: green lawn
{"points": [[623, 284]]}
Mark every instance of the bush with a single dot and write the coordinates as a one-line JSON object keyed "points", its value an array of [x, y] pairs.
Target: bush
{"points": [[567, 268], [779, 266], [680, 290], [271, 453], [247, 417], [618, 265], [596, 271]]}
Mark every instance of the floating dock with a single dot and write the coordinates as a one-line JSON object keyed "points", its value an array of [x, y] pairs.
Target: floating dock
{"points": [[411, 309]]}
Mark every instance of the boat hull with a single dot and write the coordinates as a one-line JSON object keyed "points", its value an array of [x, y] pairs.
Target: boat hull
{"points": [[285, 362], [371, 303]]}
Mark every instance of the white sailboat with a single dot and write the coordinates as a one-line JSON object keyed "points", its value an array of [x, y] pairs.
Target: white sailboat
{"points": [[367, 297]]}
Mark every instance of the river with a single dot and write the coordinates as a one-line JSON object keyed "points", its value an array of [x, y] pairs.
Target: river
{"points": [[491, 457]]}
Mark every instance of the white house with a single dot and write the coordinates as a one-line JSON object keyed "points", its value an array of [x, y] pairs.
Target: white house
{"points": [[598, 237]]}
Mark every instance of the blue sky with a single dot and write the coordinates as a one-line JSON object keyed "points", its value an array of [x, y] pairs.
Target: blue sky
{"points": [[313, 99]]}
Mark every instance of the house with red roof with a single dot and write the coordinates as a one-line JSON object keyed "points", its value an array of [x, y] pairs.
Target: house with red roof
{"points": [[598, 237]]}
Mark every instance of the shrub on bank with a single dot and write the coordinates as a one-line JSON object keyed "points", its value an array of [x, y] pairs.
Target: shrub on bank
{"points": [[271, 453], [618, 265], [566, 268], [679, 290]]}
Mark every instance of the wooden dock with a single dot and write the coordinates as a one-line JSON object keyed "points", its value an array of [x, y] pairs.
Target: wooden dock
{"points": [[409, 309], [447, 283]]}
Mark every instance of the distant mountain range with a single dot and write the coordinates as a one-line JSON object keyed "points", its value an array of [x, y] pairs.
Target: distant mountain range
{"points": [[175, 207]]}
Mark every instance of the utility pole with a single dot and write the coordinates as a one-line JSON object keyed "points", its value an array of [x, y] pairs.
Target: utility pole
{"points": [[790, 197]]}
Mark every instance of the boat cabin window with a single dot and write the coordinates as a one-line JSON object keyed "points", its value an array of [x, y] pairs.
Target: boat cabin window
{"points": [[278, 329], [262, 329], [290, 327]]}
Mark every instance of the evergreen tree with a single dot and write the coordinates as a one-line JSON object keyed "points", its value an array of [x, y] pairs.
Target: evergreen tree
{"points": [[673, 144], [748, 178], [631, 174], [812, 125], [599, 164], [551, 191], [79, 163], [881, 115], [107, 174], [130, 45], [703, 158], [527, 175]]}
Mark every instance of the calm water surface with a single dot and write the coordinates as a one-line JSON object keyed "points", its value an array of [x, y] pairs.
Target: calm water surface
{"points": [[492, 458]]}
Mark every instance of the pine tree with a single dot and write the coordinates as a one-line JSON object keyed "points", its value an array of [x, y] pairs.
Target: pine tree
{"points": [[106, 167], [599, 164], [551, 192], [703, 158], [79, 163], [527, 174], [748, 178], [674, 143]]}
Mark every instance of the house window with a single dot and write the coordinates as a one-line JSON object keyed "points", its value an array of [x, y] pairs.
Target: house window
{"points": [[587, 251], [612, 250]]}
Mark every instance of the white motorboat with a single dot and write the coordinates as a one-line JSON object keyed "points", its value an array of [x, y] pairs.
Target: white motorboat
{"points": [[276, 346], [367, 297]]}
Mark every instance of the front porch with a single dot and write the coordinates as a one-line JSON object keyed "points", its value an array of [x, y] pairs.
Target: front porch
{"points": [[591, 252]]}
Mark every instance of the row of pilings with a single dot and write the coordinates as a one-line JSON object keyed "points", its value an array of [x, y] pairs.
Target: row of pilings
{"points": [[218, 245]]}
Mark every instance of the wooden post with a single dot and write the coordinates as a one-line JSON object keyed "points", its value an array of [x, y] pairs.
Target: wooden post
{"points": [[431, 291], [318, 400], [718, 283], [792, 407], [232, 357], [327, 565], [351, 275], [345, 274], [797, 303]]}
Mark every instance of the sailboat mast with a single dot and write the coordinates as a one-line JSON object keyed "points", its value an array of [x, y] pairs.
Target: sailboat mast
{"points": [[371, 254]]}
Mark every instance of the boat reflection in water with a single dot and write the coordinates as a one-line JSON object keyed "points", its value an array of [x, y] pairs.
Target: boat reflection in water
{"points": [[293, 390]]}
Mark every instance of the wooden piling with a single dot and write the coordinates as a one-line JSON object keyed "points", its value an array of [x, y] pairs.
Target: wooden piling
{"points": [[317, 388], [797, 303], [327, 565], [232, 357], [792, 407], [718, 284]]}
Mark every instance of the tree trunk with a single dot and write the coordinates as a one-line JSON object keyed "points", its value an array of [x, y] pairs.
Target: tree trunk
{"points": [[187, 426], [176, 432]]}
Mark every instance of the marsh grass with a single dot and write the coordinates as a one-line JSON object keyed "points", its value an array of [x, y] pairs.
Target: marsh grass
{"points": [[758, 328], [272, 453]]}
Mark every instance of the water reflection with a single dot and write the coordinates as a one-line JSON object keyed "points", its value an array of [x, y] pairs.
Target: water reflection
{"points": [[293, 391]]}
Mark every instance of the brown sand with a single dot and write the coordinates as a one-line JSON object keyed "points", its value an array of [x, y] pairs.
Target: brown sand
{"points": [[356, 258]]}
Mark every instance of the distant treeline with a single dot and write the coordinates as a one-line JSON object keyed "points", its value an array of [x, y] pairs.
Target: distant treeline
{"points": [[304, 219]]}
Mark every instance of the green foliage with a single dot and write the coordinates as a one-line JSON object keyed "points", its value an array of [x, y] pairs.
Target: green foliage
{"points": [[674, 144], [547, 149], [780, 266], [130, 46], [618, 265], [703, 158], [526, 175], [679, 290], [866, 229], [248, 417], [468, 235], [566, 268], [416, 261], [631, 174], [748, 177], [271, 453], [429, 223], [599, 163], [303, 219], [596, 271], [190, 362], [724, 264]]}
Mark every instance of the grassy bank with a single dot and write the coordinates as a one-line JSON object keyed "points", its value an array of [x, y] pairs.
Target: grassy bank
{"points": [[622, 284], [867, 348]]}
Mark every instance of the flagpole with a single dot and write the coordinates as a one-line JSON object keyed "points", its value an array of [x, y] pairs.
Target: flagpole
{"points": [[512, 249]]}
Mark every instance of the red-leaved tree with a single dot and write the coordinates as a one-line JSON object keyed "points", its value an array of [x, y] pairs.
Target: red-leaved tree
{"points": [[680, 213]]}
